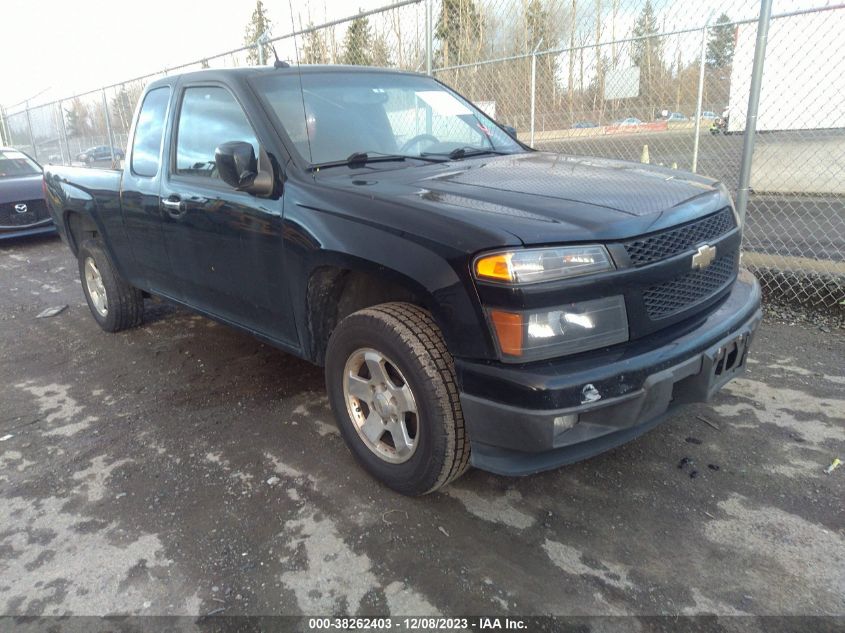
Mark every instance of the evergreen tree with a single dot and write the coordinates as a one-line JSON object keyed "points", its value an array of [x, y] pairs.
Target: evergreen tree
{"points": [[540, 31], [537, 26], [78, 119], [647, 53], [314, 49], [259, 24], [720, 46], [458, 30], [356, 44]]}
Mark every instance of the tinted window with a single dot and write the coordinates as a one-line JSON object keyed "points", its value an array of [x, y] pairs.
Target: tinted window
{"points": [[146, 146], [210, 116]]}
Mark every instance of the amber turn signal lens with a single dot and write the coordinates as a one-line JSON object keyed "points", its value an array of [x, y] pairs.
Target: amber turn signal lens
{"points": [[508, 326], [496, 266]]}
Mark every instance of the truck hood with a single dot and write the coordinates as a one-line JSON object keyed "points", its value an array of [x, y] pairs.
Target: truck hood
{"points": [[14, 190], [541, 197]]}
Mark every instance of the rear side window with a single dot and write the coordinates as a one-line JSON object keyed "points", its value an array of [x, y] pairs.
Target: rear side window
{"points": [[210, 116], [146, 146]]}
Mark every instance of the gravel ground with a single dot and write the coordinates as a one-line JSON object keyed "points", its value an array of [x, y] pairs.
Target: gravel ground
{"points": [[184, 468]]}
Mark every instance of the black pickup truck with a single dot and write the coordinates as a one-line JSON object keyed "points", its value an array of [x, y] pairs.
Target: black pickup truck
{"points": [[473, 301]]}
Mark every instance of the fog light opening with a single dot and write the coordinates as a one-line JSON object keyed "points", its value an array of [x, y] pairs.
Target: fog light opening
{"points": [[563, 423]]}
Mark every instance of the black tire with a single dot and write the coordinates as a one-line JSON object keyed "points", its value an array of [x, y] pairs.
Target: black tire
{"points": [[125, 303], [408, 336]]}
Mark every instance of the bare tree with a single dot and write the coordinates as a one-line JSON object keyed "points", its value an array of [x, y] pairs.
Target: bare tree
{"points": [[314, 49]]}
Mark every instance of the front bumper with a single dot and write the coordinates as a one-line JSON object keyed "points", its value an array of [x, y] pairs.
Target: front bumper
{"points": [[41, 228], [529, 418]]}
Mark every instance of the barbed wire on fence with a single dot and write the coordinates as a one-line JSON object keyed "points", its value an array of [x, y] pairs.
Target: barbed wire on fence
{"points": [[664, 83]]}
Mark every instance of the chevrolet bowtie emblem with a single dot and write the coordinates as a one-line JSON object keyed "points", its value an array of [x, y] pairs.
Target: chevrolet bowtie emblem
{"points": [[703, 257]]}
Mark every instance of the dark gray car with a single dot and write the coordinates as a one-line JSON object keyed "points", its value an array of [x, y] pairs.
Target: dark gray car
{"points": [[22, 207], [99, 154]]}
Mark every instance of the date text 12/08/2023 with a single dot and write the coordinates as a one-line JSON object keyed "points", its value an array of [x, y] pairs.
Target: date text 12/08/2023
{"points": [[417, 623]]}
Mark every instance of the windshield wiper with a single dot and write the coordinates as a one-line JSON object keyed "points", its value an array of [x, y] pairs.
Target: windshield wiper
{"points": [[463, 152], [362, 158], [358, 158]]}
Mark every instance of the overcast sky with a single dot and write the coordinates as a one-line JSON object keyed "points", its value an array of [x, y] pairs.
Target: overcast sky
{"points": [[71, 46], [64, 47]]}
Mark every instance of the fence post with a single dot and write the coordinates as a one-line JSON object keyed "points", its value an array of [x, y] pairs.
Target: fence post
{"points": [[64, 131], [31, 137], [108, 127], [263, 40], [429, 39], [753, 103], [4, 128], [534, 88], [698, 104], [533, 94]]}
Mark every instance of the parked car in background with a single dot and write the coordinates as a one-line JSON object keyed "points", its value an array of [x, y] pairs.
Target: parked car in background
{"points": [[473, 302], [99, 153], [579, 125], [629, 122], [707, 114], [677, 116], [22, 208]]}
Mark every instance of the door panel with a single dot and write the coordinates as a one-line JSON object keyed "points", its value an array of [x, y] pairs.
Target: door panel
{"points": [[226, 246], [139, 197]]}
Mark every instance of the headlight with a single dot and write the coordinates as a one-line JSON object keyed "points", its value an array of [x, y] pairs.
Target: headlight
{"points": [[533, 265], [576, 327]]}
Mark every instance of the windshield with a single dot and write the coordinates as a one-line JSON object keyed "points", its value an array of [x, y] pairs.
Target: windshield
{"points": [[337, 114], [14, 164]]}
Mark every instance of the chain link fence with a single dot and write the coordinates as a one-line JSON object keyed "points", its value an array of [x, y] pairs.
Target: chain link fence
{"points": [[665, 83]]}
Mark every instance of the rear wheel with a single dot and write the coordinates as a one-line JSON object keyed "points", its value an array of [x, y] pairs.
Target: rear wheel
{"points": [[391, 384], [114, 304]]}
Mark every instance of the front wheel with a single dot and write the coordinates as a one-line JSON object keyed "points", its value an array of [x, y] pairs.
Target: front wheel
{"points": [[114, 303], [392, 387]]}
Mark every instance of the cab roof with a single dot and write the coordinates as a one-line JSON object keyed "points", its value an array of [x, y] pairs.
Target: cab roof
{"points": [[240, 74]]}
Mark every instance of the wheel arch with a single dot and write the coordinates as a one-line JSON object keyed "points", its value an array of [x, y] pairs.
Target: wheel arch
{"points": [[79, 227], [336, 289]]}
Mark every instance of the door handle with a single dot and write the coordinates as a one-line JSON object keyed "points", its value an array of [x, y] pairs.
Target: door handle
{"points": [[174, 207]]}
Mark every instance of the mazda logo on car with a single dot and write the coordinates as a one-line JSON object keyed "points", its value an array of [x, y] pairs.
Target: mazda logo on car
{"points": [[703, 257], [21, 208]]}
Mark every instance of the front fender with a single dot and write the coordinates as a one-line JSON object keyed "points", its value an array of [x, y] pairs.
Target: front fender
{"points": [[438, 277]]}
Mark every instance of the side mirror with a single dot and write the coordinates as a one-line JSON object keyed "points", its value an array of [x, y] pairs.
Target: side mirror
{"points": [[238, 168], [510, 130]]}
